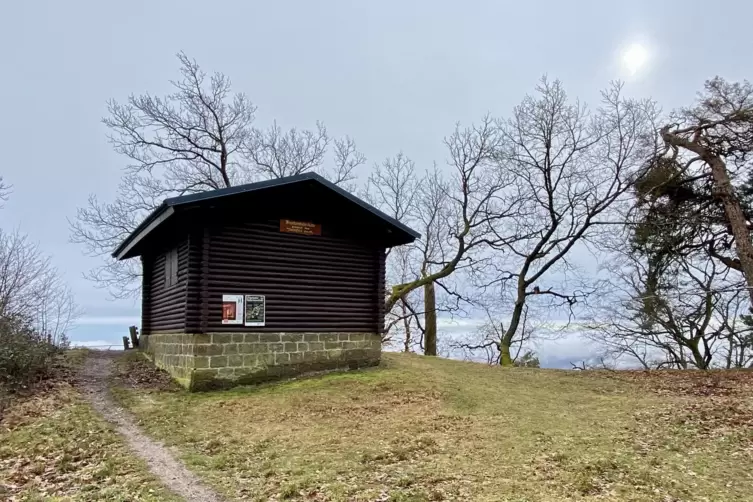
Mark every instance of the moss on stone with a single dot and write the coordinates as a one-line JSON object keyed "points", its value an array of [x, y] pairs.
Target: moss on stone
{"points": [[222, 338], [202, 338], [203, 380], [208, 350], [220, 360]]}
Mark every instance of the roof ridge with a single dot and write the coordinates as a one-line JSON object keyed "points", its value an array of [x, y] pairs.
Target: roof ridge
{"points": [[166, 208], [221, 192]]}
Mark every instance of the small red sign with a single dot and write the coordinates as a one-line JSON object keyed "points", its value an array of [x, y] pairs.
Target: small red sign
{"points": [[300, 227]]}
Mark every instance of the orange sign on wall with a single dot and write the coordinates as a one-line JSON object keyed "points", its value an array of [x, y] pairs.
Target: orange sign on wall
{"points": [[300, 227]]}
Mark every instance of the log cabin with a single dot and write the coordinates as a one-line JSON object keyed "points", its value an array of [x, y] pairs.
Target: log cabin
{"points": [[262, 281]]}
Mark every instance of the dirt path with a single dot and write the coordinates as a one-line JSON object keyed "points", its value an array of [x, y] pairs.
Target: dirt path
{"points": [[93, 381]]}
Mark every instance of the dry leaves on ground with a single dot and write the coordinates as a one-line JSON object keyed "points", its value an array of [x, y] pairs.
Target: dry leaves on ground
{"points": [[134, 371]]}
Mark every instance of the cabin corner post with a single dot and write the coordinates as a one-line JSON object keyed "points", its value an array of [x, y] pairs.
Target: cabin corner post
{"points": [[204, 280], [194, 298], [381, 290], [146, 279]]}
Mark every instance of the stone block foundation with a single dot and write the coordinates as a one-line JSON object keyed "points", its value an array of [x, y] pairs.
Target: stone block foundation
{"points": [[221, 360]]}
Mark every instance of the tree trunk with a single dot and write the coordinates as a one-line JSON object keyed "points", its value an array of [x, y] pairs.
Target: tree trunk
{"points": [[736, 218], [505, 358], [430, 320], [406, 325], [732, 209], [700, 362]]}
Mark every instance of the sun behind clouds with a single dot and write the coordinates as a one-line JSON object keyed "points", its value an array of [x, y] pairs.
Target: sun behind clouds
{"points": [[634, 58]]}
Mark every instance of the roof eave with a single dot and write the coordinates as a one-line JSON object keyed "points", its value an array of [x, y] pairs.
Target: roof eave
{"points": [[368, 207], [159, 216]]}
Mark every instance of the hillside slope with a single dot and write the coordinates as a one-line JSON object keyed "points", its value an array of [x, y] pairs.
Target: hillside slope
{"points": [[55, 447], [419, 429]]}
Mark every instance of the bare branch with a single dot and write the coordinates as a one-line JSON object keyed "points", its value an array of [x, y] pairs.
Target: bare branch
{"points": [[274, 154], [33, 290], [4, 191], [197, 138], [571, 170]]}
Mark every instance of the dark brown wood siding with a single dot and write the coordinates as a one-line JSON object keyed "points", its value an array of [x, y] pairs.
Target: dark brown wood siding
{"points": [[163, 307], [146, 295], [381, 288], [311, 283], [194, 281]]}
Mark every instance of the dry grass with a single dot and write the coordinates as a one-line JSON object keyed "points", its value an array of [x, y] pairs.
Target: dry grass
{"points": [[61, 370], [423, 429], [53, 446]]}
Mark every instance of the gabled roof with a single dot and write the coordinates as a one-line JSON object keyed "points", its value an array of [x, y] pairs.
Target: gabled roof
{"points": [[164, 211]]}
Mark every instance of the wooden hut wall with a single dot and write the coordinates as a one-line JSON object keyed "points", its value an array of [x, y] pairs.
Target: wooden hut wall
{"points": [[320, 283], [163, 306]]}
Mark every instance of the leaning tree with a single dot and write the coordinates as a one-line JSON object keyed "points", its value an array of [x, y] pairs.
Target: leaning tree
{"points": [[703, 170]]}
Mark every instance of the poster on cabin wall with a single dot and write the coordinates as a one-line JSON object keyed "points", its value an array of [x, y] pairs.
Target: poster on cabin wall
{"points": [[232, 309], [255, 310]]}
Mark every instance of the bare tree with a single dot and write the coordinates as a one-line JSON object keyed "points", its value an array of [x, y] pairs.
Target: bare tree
{"points": [[676, 312], [569, 169], [36, 311], [486, 342], [33, 290], [395, 188], [455, 215], [392, 186], [199, 137], [737, 327], [191, 134], [718, 135], [273, 153], [404, 320]]}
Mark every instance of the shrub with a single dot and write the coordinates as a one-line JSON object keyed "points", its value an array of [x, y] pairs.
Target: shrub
{"points": [[25, 354], [528, 360]]}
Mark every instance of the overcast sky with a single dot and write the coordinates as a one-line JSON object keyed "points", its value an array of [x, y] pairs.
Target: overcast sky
{"points": [[394, 75]]}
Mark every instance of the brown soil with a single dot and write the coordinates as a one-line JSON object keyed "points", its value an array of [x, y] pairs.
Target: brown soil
{"points": [[93, 381]]}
